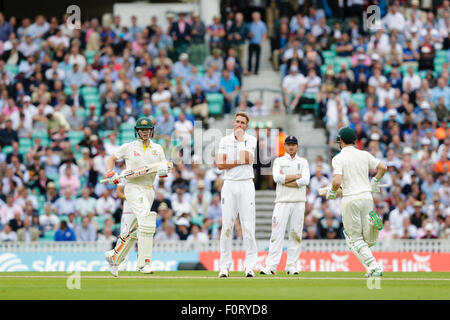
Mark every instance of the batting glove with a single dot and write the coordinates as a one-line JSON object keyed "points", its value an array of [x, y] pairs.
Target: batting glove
{"points": [[374, 184], [113, 177], [163, 171], [331, 195]]}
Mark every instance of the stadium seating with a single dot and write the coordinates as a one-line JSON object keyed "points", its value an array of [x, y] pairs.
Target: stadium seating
{"points": [[360, 99], [215, 103]]}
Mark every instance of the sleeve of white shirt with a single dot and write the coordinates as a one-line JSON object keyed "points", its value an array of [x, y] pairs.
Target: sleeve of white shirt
{"points": [[122, 152], [304, 180], [337, 166], [373, 162], [277, 176]]}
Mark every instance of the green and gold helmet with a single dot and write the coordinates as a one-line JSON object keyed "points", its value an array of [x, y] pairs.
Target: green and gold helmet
{"points": [[143, 123], [347, 135]]}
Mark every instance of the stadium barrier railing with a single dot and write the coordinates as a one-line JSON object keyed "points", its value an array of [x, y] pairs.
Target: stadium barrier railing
{"points": [[397, 245]]}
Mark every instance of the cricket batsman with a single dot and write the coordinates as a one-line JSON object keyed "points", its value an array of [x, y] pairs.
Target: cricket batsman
{"points": [[235, 156], [291, 174], [139, 194], [361, 224]]}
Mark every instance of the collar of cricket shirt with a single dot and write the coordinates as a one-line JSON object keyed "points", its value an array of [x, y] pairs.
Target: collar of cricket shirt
{"points": [[287, 155]]}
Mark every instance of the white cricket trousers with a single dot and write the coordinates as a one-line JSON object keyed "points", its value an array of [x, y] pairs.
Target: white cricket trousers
{"points": [[238, 197], [288, 215], [360, 234]]}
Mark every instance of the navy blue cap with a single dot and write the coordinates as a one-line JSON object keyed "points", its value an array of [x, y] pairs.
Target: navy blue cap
{"points": [[291, 139]]}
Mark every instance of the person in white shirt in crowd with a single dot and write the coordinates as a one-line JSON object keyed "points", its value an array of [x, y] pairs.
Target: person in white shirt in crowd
{"points": [[85, 204], [292, 86], [7, 234], [259, 109], [8, 209], [76, 57], [413, 79], [394, 20], [48, 220], [197, 236], [318, 181], [106, 203], [291, 173], [161, 98]]}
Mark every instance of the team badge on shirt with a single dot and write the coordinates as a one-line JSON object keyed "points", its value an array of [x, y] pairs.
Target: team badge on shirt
{"points": [[136, 154]]}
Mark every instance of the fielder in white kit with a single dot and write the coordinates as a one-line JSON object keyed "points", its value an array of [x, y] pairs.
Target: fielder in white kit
{"points": [[235, 155], [139, 194], [361, 224], [291, 174]]}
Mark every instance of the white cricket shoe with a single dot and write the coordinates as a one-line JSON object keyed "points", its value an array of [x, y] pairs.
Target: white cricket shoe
{"points": [[147, 269], [223, 273], [292, 271], [267, 271], [249, 273], [112, 268]]}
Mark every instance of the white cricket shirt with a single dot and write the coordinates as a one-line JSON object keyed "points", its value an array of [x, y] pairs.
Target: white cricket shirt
{"points": [[135, 156], [228, 145], [354, 166], [290, 166]]}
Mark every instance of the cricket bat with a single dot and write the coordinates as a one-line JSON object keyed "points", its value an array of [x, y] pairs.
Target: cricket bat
{"points": [[141, 171], [323, 191]]}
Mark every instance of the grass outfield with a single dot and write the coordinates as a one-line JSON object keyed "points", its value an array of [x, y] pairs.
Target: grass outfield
{"points": [[205, 285]]}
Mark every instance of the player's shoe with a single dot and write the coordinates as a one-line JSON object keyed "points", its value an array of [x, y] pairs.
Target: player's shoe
{"points": [[267, 271], [109, 257], [223, 273], [292, 271], [147, 269], [249, 273], [376, 220]]}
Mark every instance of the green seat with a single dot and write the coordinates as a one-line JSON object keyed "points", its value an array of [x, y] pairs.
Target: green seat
{"points": [[68, 91], [26, 143], [23, 150], [7, 149], [82, 112], [101, 221], [176, 111], [88, 91], [89, 54], [75, 136], [329, 54], [442, 54], [49, 235], [215, 103], [127, 127], [127, 139], [12, 68], [359, 99], [404, 69], [339, 60], [105, 133], [42, 134]]}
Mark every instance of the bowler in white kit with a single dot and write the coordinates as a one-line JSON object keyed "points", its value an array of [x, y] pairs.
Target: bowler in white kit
{"points": [[235, 156], [361, 224], [291, 174]]}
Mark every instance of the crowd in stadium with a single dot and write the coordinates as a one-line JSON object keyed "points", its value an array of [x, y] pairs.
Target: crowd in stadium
{"points": [[70, 98]]}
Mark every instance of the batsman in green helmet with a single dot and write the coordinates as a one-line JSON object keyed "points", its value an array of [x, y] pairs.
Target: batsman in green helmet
{"points": [[361, 223], [139, 195]]}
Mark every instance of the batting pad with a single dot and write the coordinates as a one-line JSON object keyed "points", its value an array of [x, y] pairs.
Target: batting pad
{"points": [[125, 241], [354, 250], [146, 230]]}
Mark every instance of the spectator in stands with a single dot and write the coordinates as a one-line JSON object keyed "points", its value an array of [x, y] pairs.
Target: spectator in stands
{"points": [[65, 204], [86, 231], [229, 87], [107, 236], [257, 32], [211, 81], [69, 180], [196, 235], [167, 233], [48, 220], [27, 233], [85, 204], [8, 210], [215, 210], [64, 233], [106, 204], [7, 234], [182, 228]]}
